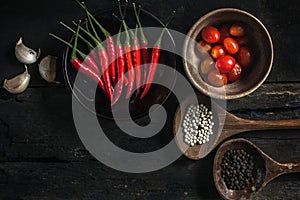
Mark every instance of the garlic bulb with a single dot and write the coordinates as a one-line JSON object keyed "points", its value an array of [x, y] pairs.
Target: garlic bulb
{"points": [[47, 68], [25, 54], [18, 83]]}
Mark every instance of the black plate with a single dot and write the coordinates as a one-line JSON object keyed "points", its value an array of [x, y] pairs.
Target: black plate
{"points": [[137, 108]]}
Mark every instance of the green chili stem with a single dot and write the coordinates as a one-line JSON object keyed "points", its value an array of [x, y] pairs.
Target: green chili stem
{"points": [[118, 40], [127, 39], [143, 37], [80, 36], [98, 43], [91, 23], [104, 31], [73, 54], [68, 44], [158, 42]]}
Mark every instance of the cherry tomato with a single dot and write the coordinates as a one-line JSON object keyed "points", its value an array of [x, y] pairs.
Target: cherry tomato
{"points": [[242, 41], [224, 32], [217, 51], [207, 65], [237, 29], [203, 47], [245, 57], [210, 34], [217, 79], [225, 63], [230, 45], [235, 73]]}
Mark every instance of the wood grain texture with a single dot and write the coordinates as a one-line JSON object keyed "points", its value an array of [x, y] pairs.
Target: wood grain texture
{"points": [[282, 21], [44, 159], [269, 97], [92, 180], [34, 123], [41, 155]]}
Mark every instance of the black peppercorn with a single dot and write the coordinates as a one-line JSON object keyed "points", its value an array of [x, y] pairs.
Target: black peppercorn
{"points": [[237, 169]]}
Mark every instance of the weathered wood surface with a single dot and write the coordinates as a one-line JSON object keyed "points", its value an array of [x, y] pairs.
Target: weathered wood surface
{"points": [[38, 149], [20, 18], [42, 157], [36, 120], [81, 180]]}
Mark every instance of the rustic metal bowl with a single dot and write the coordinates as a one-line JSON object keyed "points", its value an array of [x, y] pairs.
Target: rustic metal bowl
{"points": [[96, 101], [260, 43]]}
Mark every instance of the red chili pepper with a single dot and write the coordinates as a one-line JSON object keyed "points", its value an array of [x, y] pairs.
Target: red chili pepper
{"points": [[130, 70], [92, 60], [80, 66], [104, 63], [136, 55], [88, 67], [112, 57], [154, 61], [144, 47], [125, 80], [127, 51], [120, 69], [145, 55], [104, 66], [94, 57], [153, 66], [109, 42]]}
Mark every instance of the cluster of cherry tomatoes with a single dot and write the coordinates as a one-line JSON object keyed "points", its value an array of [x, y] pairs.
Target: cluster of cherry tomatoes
{"points": [[229, 53]]}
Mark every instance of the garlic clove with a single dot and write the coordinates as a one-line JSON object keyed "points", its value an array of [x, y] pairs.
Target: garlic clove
{"points": [[25, 54], [17, 84], [47, 68]]}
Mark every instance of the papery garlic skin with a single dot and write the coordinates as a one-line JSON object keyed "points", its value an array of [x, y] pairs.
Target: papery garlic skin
{"points": [[25, 54], [17, 84], [47, 68]]}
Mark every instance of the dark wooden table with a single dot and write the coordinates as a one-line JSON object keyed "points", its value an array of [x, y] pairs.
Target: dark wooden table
{"points": [[41, 155]]}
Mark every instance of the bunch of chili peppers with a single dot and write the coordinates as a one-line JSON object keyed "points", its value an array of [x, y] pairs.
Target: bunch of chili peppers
{"points": [[117, 59]]}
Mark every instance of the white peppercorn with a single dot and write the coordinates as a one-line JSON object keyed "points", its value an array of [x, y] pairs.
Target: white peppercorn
{"points": [[197, 125]]}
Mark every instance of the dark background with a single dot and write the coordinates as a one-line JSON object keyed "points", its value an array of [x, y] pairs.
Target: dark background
{"points": [[41, 155]]}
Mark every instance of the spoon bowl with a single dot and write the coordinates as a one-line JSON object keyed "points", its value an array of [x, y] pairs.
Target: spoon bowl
{"points": [[226, 125], [199, 151], [265, 169]]}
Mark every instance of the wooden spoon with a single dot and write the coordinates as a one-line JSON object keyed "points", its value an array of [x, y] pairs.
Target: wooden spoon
{"points": [[226, 125], [265, 169]]}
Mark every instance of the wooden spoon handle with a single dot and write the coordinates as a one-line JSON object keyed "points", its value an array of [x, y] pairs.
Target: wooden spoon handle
{"points": [[235, 125], [291, 167], [276, 169], [251, 125]]}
